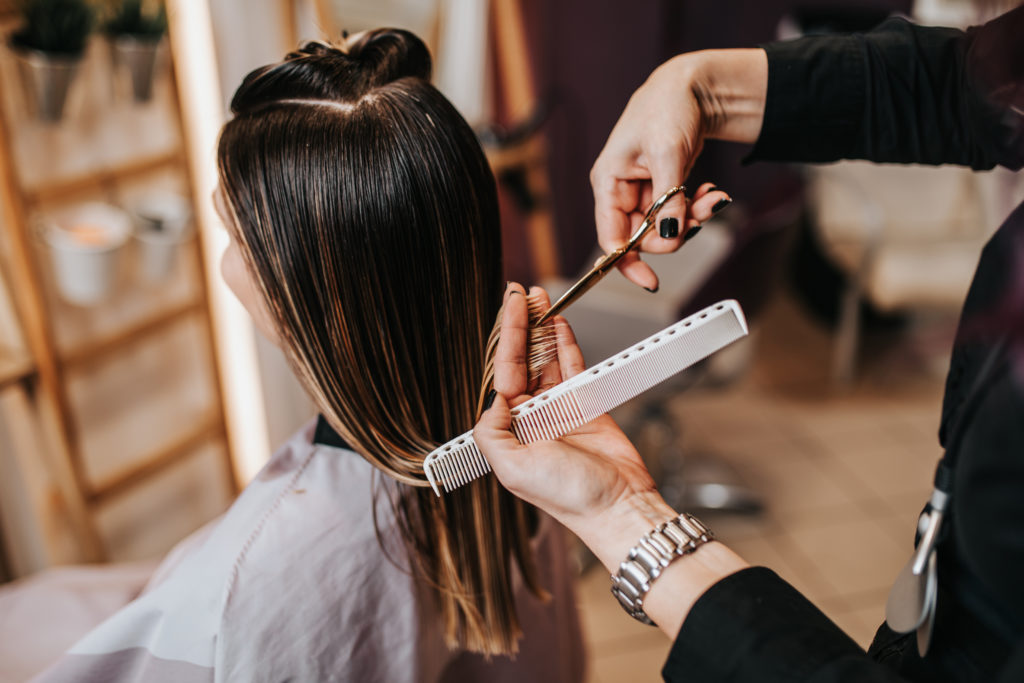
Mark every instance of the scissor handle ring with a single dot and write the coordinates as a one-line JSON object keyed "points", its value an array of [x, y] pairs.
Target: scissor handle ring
{"points": [[648, 221]]}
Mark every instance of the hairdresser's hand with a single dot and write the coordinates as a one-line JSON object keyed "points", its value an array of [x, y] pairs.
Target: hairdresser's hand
{"points": [[692, 97], [592, 480], [578, 479]]}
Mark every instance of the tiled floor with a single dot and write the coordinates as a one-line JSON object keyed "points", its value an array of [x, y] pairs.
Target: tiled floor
{"points": [[843, 475]]}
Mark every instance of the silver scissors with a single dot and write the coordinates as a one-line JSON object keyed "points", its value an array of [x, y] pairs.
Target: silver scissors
{"points": [[608, 261]]}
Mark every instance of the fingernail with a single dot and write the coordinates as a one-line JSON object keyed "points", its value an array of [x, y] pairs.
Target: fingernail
{"points": [[713, 188], [669, 227], [489, 400], [652, 290], [720, 204], [692, 232]]}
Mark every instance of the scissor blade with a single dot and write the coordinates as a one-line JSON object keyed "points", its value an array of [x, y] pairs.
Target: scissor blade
{"points": [[582, 286]]}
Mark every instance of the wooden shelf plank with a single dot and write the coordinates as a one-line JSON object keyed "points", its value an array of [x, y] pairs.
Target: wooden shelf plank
{"points": [[207, 429], [88, 352], [99, 177], [14, 367]]}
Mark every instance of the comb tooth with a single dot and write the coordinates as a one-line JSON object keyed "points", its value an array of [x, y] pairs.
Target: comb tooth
{"points": [[569, 406], [580, 416], [460, 468], [428, 469], [564, 416], [472, 468], [517, 430], [449, 472], [540, 426], [469, 461], [526, 428], [534, 427], [553, 421], [482, 466], [446, 476]]}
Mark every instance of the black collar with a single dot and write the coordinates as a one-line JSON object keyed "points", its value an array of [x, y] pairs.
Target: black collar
{"points": [[326, 435]]}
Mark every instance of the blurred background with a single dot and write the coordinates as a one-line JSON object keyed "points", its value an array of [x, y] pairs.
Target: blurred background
{"points": [[136, 399]]}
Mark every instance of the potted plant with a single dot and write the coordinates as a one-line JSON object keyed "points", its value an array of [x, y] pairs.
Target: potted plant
{"points": [[49, 45], [86, 241], [163, 221], [135, 29]]}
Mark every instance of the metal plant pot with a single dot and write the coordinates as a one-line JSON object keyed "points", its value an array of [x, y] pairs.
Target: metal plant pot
{"points": [[163, 221], [139, 57], [46, 78], [85, 243]]}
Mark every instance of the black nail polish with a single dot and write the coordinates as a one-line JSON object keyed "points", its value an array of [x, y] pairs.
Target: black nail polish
{"points": [[713, 188], [652, 290], [669, 227], [692, 232], [489, 400], [720, 204]]}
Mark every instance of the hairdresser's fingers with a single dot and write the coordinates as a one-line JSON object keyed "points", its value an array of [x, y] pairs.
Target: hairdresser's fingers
{"points": [[510, 355], [494, 437], [616, 200], [494, 426], [512, 287], [638, 272], [669, 163], [706, 204], [570, 358]]}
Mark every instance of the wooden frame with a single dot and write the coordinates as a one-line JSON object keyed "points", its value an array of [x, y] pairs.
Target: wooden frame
{"points": [[44, 370]]}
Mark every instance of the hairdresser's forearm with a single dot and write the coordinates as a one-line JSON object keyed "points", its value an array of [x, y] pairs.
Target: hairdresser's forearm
{"points": [[612, 533], [729, 87]]}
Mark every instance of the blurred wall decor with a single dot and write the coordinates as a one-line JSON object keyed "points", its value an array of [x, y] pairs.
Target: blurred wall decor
{"points": [[113, 442]]}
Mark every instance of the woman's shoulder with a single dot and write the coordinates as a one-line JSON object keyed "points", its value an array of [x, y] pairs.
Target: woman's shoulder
{"points": [[309, 503], [321, 565]]}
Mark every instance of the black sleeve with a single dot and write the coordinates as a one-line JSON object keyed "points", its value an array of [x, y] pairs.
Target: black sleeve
{"points": [[900, 93], [753, 626]]}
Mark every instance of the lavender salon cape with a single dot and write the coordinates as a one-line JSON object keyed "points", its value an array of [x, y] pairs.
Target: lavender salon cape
{"points": [[291, 584]]}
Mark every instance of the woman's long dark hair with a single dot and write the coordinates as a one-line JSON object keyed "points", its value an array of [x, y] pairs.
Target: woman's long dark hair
{"points": [[367, 211]]}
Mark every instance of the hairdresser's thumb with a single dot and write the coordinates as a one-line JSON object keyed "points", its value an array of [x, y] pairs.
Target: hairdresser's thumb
{"points": [[493, 429]]}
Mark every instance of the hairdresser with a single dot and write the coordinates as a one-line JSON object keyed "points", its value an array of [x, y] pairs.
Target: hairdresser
{"points": [[900, 93]]}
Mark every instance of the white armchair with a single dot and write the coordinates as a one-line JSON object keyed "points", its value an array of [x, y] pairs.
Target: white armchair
{"points": [[907, 237]]}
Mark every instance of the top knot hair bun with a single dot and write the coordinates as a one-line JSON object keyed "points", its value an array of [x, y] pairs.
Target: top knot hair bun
{"points": [[346, 72], [388, 54]]}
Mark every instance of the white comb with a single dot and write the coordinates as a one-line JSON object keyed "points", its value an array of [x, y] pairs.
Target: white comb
{"points": [[593, 392]]}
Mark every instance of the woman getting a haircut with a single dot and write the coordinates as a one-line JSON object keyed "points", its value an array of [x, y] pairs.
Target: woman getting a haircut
{"points": [[366, 244]]}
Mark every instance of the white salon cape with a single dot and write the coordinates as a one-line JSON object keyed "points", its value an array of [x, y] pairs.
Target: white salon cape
{"points": [[291, 584]]}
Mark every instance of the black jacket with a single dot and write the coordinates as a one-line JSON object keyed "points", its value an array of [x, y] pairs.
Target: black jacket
{"points": [[908, 94]]}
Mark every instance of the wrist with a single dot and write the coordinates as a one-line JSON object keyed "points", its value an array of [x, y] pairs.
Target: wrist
{"points": [[730, 88], [611, 533]]}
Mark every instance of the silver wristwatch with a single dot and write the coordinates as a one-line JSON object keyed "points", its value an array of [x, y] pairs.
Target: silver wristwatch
{"points": [[650, 556]]}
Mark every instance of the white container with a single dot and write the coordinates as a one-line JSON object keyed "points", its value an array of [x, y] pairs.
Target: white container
{"points": [[163, 221], [85, 244]]}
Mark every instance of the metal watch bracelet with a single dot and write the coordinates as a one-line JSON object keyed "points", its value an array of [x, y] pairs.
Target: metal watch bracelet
{"points": [[648, 558]]}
